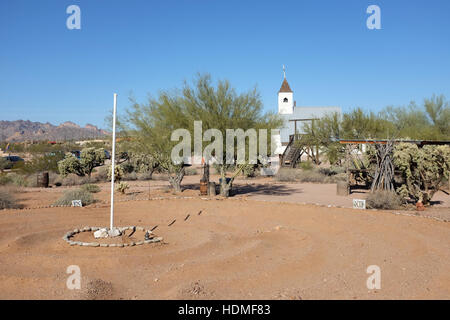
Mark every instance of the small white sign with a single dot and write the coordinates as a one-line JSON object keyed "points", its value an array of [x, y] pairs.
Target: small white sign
{"points": [[76, 203], [359, 204]]}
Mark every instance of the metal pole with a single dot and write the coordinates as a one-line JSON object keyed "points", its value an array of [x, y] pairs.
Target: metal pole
{"points": [[113, 160]]}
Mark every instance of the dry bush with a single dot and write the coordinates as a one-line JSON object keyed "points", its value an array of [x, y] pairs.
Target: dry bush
{"points": [[54, 178], [18, 180], [131, 176], [310, 175], [7, 200], [89, 187], [160, 177], [190, 171], [142, 176], [285, 175], [306, 165], [383, 199], [74, 180], [69, 195], [100, 175], [32, 181], [4, 179]]}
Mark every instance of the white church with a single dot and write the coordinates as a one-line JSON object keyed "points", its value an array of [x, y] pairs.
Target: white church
{"points": [[294, 117]]}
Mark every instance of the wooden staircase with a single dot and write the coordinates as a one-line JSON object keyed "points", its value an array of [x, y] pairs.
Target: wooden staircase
{"points": [[292, 153]]}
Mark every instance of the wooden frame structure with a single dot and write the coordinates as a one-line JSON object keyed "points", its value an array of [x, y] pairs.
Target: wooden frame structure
{"points": [[360, 174]]}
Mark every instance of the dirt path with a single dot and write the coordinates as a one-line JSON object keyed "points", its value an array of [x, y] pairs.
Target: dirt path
{"points": [[233, 249]]}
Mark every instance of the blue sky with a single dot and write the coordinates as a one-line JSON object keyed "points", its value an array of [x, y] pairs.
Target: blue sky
{"points": [[50, 73]]}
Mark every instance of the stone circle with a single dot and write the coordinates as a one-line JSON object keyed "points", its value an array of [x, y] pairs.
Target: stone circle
{"points": [[67, 237]]}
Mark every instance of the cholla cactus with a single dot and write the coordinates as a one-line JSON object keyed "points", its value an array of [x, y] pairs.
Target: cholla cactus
{"points": [[89, 159], [122, 187], [118, 173], [424, 169], [70, 164]]}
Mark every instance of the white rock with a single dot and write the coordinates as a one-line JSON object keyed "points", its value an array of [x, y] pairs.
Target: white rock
{"points": [[114, 232], [101, 233]]}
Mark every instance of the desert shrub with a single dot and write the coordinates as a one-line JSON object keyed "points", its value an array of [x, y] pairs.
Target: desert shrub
{"points": [[142, 176], [307, 165], [312, 176], [122, 187], [42, 163], [326, 171], [101, 175], [131, 176], [74, 180], [69, 195], [18, 180], [7, 200], [53, 178], [284, 174], [89, 187], [383, 199], [4, 164], [160, 177], [249, 170], [5, 179], [339, 177], [337, 169], [190, 171]]}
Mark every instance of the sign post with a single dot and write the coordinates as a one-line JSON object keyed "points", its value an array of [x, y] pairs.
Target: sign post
{"points": [[113, 160]]}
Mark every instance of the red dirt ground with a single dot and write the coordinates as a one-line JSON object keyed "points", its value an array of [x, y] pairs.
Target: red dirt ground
{"points": [[235, 249]]}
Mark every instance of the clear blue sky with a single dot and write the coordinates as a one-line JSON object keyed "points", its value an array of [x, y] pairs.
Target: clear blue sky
{"points": [[50, 73]]}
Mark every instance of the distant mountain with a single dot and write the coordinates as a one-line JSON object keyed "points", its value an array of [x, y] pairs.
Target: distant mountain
{"points": [[20, 130]]}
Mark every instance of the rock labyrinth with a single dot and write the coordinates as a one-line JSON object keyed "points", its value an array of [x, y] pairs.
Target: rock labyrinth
{"points": [[67, 237]]}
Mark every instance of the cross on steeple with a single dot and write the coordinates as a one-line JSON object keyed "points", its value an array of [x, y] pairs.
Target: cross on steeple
{"points": [[284, 72]]}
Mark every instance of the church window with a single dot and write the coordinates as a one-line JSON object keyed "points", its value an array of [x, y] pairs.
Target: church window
{"points": [[285, 100]]}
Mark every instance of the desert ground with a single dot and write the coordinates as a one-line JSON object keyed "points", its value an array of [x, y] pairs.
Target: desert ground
{"points": [[271, 241]]}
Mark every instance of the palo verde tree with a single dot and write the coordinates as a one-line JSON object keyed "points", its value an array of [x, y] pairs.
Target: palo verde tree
{"points": [[217, 106], [222, 109], [149, 127]]}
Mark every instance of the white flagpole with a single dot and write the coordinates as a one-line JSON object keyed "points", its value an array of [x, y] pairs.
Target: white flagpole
{"points": [[113, 160]]}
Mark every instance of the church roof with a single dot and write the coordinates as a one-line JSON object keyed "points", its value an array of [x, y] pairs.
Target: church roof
{"points": [[285, 86]]}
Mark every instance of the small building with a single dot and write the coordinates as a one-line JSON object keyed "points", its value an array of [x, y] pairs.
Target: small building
{"points": [[295, 116]]}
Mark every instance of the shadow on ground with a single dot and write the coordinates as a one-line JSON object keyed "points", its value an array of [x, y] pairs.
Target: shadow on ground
{"points": [[265, 189]]}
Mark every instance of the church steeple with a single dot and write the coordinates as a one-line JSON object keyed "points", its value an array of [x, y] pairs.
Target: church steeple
{"points": [[285, 97], [285, 85]]}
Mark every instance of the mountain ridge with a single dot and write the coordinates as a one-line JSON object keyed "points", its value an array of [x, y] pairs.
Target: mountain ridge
{"points": [[26, 130]]}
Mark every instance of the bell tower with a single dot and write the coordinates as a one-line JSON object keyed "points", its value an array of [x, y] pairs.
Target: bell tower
{"points": [[285, 97]]}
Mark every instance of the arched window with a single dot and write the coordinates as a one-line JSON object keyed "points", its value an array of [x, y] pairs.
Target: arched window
{"points": [[285, 100]]}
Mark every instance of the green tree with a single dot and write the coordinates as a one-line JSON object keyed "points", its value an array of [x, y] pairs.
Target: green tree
{"points": [[149, 128], [438, 110], [325, 133], [221, 107], [217, 106]]}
